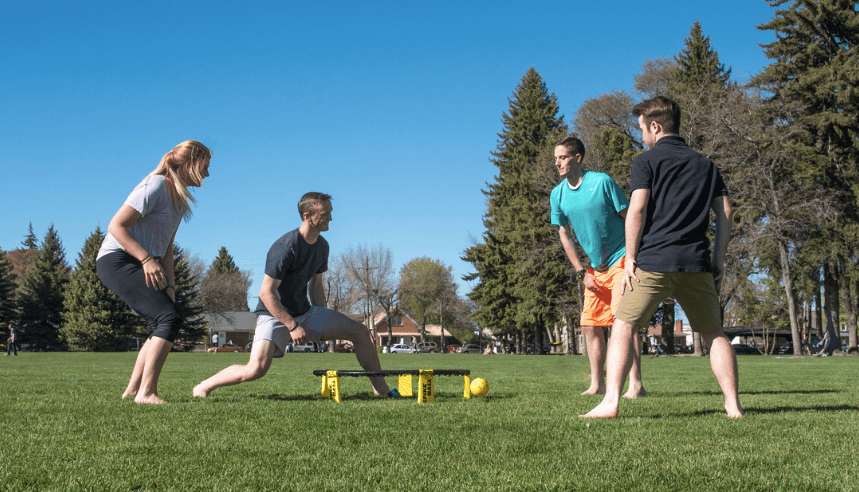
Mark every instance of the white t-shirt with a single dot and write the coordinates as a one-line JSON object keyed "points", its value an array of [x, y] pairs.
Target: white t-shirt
{"points": [[159, 222]]}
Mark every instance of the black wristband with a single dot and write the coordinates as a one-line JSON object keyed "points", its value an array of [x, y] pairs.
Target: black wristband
{"points": [[581, 273]]}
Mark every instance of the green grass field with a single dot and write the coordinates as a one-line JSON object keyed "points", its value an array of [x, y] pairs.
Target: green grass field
{"points": [[65, 428]]}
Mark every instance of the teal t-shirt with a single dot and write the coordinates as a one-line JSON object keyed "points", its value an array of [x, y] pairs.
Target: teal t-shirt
{"points": [[592, 211]]}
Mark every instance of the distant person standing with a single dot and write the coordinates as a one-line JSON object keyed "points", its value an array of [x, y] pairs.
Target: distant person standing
{"points": [[215, 343], [136, 258], [12, 341], [674, 190]]}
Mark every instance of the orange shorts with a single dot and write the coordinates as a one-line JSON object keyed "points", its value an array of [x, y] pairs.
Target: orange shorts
{"points": [[600, 307]]}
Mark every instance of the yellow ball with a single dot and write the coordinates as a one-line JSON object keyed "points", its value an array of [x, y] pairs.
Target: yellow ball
{"points": [[479, 387]]}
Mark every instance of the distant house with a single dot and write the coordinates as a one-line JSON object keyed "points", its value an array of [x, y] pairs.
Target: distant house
{"points": [[403, 328], [235, 326]]}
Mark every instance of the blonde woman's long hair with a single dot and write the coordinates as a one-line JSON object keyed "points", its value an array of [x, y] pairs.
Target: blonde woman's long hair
{"points": [[189, 156]]}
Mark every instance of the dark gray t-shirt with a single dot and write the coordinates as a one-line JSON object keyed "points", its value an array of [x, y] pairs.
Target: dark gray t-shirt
{"points": [[294, 262]]}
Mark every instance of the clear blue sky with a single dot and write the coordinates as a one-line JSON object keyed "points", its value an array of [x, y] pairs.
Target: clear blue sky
{"points": [[392, 107]]}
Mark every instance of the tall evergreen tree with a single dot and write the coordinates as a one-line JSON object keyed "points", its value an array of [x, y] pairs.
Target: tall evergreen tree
{"points": [[194, 326], [7, 293], [225, 286], [30, 240], [512, 280], [697, 84], [95, 319], [41, 296], [811, 86], [223, 263]]}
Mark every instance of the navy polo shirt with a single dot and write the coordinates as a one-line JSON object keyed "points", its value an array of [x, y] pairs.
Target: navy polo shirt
{"points": [[682, 184]]}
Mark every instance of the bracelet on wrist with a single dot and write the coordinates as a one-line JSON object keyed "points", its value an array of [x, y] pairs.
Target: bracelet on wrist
{"points": [[143, 261], [170, 287]]}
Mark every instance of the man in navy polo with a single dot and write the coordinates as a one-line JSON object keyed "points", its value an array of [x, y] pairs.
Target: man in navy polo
{"points": [[674, 188]]}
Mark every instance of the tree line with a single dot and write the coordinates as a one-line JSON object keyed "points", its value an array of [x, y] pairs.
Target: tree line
{"points": [[786, 142]]}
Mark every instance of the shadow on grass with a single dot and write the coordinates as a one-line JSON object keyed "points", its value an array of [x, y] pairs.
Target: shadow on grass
{"points": [[363, 397], [785, 392], [758, 411]]}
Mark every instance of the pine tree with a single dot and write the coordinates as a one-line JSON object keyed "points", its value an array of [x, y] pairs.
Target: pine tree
{"points": [[696, 85], [41, 297], [7, 293], [225, 286], [30, 240], [511, 279], [194, 326], [811, 86], [223, 263], [95, 319]]}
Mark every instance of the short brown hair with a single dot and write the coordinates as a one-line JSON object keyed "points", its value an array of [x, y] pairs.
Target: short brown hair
{"points": [[662, 110], [573, 144], [310, 199]]}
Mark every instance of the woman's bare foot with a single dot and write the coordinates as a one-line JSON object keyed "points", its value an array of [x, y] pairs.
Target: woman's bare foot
{"points": [[594, 390], [635, 390], [602, 411], [129, 393], [149, 400]]}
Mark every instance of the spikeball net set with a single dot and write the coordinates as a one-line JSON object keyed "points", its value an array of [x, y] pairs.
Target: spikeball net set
{"points": [[426, 387]]}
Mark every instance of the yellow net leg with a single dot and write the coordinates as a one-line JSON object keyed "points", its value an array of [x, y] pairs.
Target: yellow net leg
{"points": [[326, 393], [426, 392], [404, 385], [466, 391], [334, 386]]}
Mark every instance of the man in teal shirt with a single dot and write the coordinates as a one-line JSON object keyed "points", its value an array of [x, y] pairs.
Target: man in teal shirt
{"points": [[591, 207]]}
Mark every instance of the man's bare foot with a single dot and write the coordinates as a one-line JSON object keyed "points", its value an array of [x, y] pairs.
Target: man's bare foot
{"points": [[594, 390], [602, 411], [149, 400], [735, 412], [635, 390], [200, 391]]}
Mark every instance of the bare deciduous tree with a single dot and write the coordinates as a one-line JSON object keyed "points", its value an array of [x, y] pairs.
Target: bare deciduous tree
{"points": [[370, 269]]}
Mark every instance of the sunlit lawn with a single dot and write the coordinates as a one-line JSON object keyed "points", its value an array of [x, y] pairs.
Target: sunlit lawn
{"points": [[65, 427]]}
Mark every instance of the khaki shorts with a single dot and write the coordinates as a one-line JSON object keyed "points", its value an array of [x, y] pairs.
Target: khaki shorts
{"points": [[694, 291], [599, 308]]}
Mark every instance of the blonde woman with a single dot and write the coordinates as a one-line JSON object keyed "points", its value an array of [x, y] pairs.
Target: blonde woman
{"points": [[136, 258]]}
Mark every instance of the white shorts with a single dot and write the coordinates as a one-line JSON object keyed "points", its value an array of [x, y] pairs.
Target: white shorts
{"points": [[270, 328]]}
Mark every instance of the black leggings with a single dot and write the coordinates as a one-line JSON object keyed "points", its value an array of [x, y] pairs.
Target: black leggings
{"points": [[123, 274]]}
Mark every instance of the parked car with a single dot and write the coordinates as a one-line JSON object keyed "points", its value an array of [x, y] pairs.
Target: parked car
{"points": [[469, 348], [424, 347], [344, 348], [787, 347], [746, 349], [307, 347], [399, 348], [453, 348], [230, 347]]}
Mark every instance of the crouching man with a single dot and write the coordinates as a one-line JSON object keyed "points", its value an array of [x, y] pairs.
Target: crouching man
{"points": [[293, 269]]}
